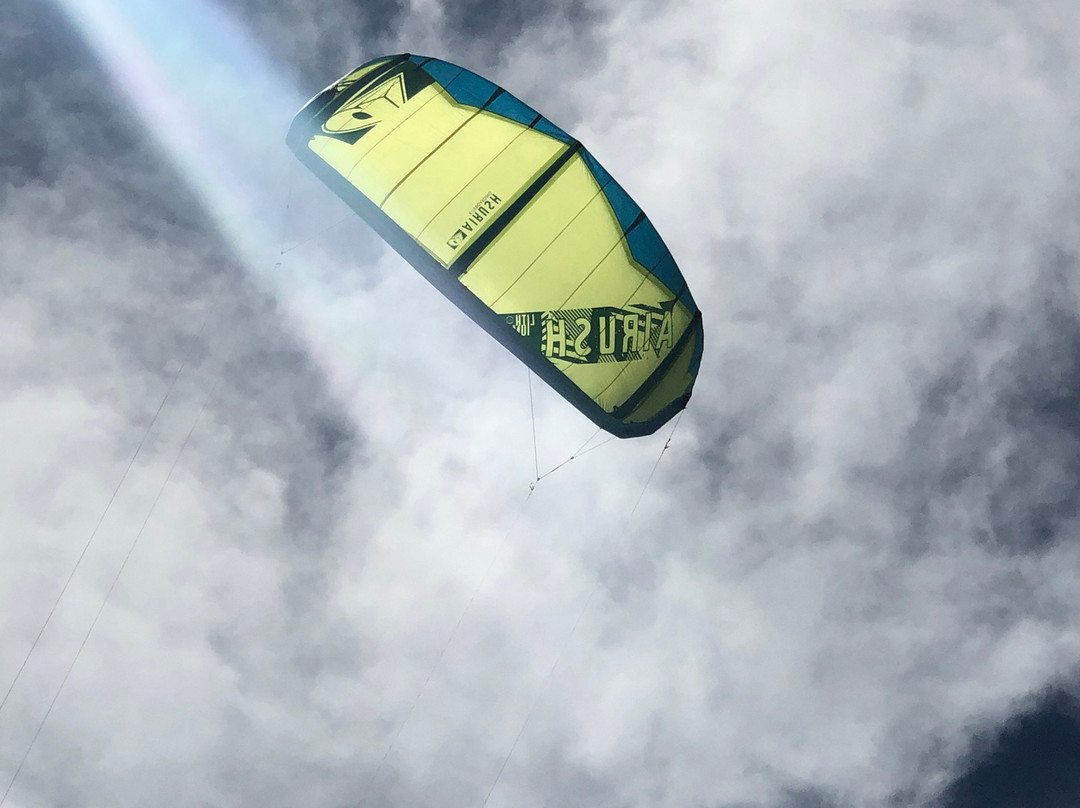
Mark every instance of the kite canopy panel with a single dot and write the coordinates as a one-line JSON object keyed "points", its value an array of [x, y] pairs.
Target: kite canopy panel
{"points": [[519, 225]]}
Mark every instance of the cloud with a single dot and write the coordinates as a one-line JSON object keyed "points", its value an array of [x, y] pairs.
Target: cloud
{"points": [[857, 556]]}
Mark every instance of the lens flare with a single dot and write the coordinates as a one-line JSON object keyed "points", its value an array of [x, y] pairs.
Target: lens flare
{"points": [[218, 107], [214, 102]]}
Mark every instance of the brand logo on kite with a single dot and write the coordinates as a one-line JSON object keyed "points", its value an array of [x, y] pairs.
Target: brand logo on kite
{"points": [[368, 97], [479, 214], [369, 107], [602, 334]]}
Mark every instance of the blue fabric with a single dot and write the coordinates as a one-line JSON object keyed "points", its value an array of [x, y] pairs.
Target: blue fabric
{"points": [[469, 88], [625, 208], [646, 246], [648, 250], [548, 128], [509, 106], [442, 72], [466, 87], [667, 272], [644, 242]]}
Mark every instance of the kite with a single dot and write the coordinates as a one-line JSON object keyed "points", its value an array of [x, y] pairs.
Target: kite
{"points": [[517, 224]]}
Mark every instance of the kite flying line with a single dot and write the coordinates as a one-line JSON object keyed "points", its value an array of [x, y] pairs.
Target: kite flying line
{"points": [[105, 600], [539, 694], [101, 519], [573, 629], [657, 463]]}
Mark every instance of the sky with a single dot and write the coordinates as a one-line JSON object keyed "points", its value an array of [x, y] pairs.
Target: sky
{"points": [[293, 481]]}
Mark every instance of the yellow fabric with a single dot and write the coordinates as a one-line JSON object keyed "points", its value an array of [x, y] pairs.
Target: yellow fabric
{"points": [[610, 383], [532, 264], [430, 161], [443, 171], [566, 251], [674, 383]]}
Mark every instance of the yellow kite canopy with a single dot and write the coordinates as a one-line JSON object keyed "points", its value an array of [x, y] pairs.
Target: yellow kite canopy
{"points": [[516, 223]]}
